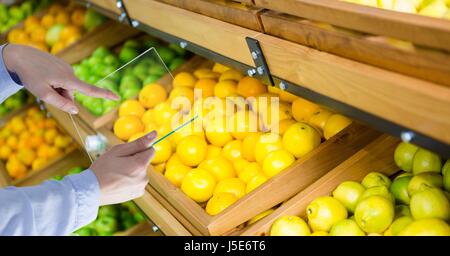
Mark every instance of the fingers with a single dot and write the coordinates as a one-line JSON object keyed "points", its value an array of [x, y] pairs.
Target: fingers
{"points": [[143, 158], [137, 146], [64, 103], [78, 85]]}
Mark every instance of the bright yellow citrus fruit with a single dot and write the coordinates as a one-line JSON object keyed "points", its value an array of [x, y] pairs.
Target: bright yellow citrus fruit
{"points": [[319, 233], [255, 182], [302, 109], [287, 96], [239, 164], [26, 156], [48, 21], [231, 75], [163, 151], [259, 216], [163, 113], [244, 123], [213, 151], [248, 146], [151, 127], [206, 73], [232, 150], [131, 108], [219, 202], [147, 117], [267, 143], [374, 214], [184, 79], [176, 173], [151, 95], [63, 141], [192, 150], [277, 161], [300, 139], [249, 86], [199, 185], [219, 68], [320, 118], [274, 113], [126, 126], [283, 125], [5, 152], [426, 227], [233, 186], [159, 167], [323, 212], [335, 124], [217, 133], [219, 167], [38, 163], [181, 97], [225, 88], [206, 86], [289, 226], [250, 171]]}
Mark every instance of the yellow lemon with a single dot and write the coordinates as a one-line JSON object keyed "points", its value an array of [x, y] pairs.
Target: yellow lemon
{"points": [[131, 108], [213, 151], [267, 143], [163, 113], [250, 171], [277, 161], [287, 96], [219, 68], [335, 124], [38, 163], [289, 226], [159, 167], [219, 167], [127, 126], [260, 216], [181, 98], [300, 139], [249, 86], [192, 150], [147, 117], [226, 88], [323, 212], [232, 150], [244, 123], [320, 118], [239, 164], [248, 146], [217, 133], [233, 186], [206, 73], [176, 173], [255, 182], [163, 151], [219, 202], [151, 95], [231, 75], [184, 79], [283, 125], [206, 87], [302, 109], [199, 185]]}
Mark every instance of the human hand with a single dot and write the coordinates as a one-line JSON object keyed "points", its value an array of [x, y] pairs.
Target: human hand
{"points": [[122, 171], [49, 78]]}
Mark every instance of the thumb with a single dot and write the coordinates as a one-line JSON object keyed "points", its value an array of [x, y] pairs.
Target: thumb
{"points": [[139, 145]]}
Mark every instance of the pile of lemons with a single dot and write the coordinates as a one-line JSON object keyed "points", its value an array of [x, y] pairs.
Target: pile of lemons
{"points": [[221, 156], [28, 142]]}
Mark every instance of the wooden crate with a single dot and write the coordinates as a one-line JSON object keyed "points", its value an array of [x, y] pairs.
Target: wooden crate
{"points": [[232, 12], [377, 156], [420, 62]]}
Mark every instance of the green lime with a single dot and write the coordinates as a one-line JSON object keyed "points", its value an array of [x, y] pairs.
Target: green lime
{"points": [[424, 181], [430, 203], [127, 54], [166, 54], [426, 161], [176, 63], [426, 227], [323, 212], [378, 191], [346, 228], [374, 214], [376, 179], [289, 226], [399, 189], [348, 193], [101, 52], [404, 155]]}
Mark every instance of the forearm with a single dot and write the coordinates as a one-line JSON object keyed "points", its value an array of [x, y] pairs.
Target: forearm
{"points": [[8, 85], [52, 208]]}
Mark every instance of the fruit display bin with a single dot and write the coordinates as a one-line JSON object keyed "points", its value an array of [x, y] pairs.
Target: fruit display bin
{"points": [[377, 156]]}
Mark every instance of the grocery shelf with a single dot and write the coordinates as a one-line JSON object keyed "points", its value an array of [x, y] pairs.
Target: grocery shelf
{"points": [[390, 102]]}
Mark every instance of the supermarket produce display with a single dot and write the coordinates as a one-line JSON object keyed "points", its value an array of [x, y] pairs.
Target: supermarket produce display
{"points": [[12, 15], [15, 102]]}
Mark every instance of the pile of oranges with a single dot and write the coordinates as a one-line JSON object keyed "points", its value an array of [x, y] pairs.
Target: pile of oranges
{"points": [[34, 31], [29, 141], [211, 162]]}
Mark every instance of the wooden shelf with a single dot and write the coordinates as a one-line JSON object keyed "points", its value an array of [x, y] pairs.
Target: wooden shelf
{"points": [[408, 102]]}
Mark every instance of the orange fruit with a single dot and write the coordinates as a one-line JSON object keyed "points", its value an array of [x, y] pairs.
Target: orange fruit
{"points": [[320, 118], [220, 202], [277, 161], [232, 150], [38, 163], [159, 167], [219, 167], [225, 89], [267, 143], [48, 20], [14, 34], [36, 140], [216, 132], [15, 168], [50, 123], [54, 152], [131, 108], [50, 135], [185, 79], [173, 161], [249, 144], [151, 95], [72, 39], [12, 142], [126, 126], [231, 74], [199, 185], [335, 124], [68, 31], [177, 173], [283, 125], [190, 129], [163, 113], [147, 117], [55, 8], [206, 86], [287, 96], [43, 151], [31, 21], [249, 86], [57, 47], [63, 141], [192, 150], [233, 186], [250, 171], [302, 109], [26, 156], [62, 18], [33, 111], [77, 17], [5, 152]]}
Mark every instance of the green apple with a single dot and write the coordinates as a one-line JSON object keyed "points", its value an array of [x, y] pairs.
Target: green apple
{"points": [[150, 79], [157, 70], [107, 84], [151, 42], [95, 106], [111, 60], [402, 210], [129, 82], [166, 54], [176, 63], [129, 93], [140, 70], [27, 8], [4, 16], [404, 155], [132, 43], [376, 179], [446, 175], [106, 225], [108, 211], [13, 103], [399, 188], [139, 216], [108, 105], [80, 97], [424, 181], [98, 69], [426, 161], [16, 13], [127, 54], [92, 19], [93, 79], [3, 110], [57, 177], [53, 33], [94, 61], [107, 70], [86, 231], [101, 52]]}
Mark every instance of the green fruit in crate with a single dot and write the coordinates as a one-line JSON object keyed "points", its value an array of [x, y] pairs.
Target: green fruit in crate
{"points": [[107, 70], [348, 193], [95, 106], [378, 191], [150, 42], [177, 49], [108, 105], [401, 210], [129, 82], [289, 226], [399, 188], [27, 8], [446, 175], [86, 231], [346, 227], [4, 16], [116, 76], [3, 110], [57, 177], [101, 52], [94, 61], [166, 54], [400, 224], [140, 70], [426, 227], [75, 170], [80, 97], [132, 43], [93, 79], [106, 225], [424, 181], [176, 63], [108, 211], [139, 216], [92, 19], [426, 161], [374, 214], [129, 93], [13, 103], [98, 69], [128, 223], [53, 34], [376, 179], [157, 70], [16, 13], [430, 203], [107, 84], [127, 54], [150, 79], [404, 155], [323, 212]]}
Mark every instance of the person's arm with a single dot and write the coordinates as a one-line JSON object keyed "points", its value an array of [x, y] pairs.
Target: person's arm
{"points": [[7, 85]]}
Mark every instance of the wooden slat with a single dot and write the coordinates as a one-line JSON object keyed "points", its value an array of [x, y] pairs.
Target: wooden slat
{"points": [[377, 156], [415, 28], [229, 11], [108, 34], [160, 216], [301, 174], [107, 4], [419, 62]]}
